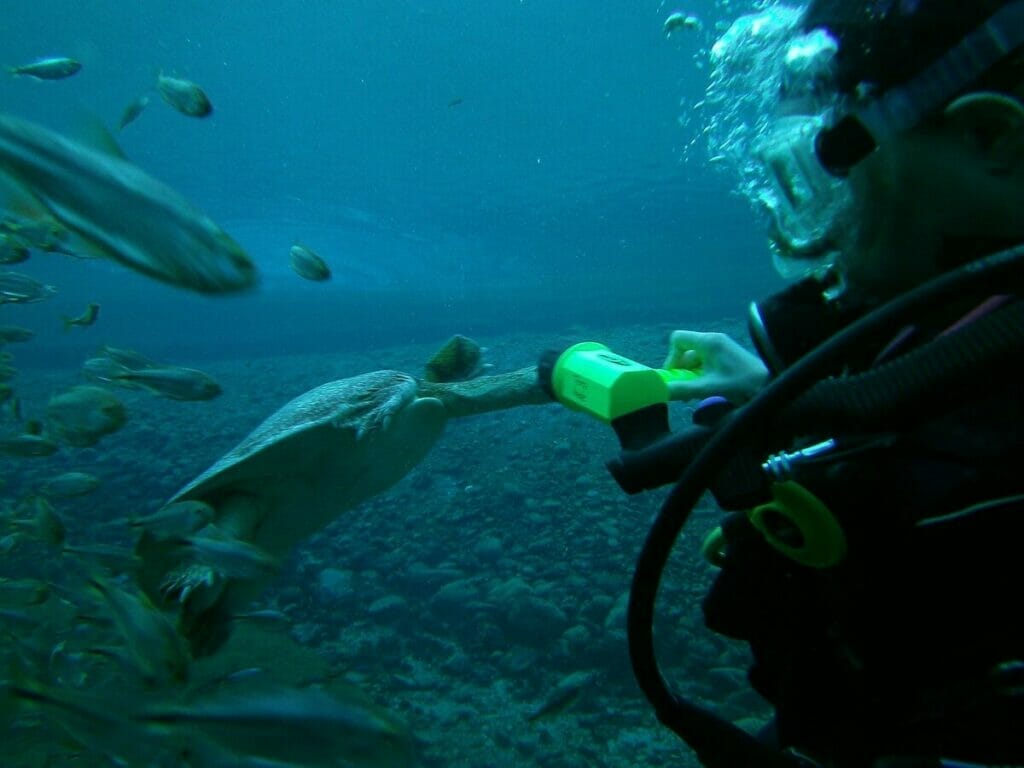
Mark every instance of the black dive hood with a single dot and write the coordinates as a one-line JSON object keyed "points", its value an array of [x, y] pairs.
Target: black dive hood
{"points": [[964, 358]]}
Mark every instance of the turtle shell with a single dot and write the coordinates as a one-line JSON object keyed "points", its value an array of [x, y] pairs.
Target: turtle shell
{"points": [[322, 453]]}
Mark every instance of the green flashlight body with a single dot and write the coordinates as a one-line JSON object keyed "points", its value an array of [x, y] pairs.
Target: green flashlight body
{"points": [[589, 377]]}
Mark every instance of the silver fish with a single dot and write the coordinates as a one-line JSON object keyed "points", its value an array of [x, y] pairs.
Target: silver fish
{"points": [[43, 525], [132, 111], [11, 334], [308, 264], [84, 320], [19, 593], [12, 250], [154, 644], [173, 383], [266, 614], [180, 519], [115, 559], [227, 556], [27, 446], [121, 212], [45, 234], [111, 362], [10, 406], [95, 720], [185, 96], [84, 414], [70, 484], [16, 288], [565, 693], [102, 369], [55, 68], [307, 727], [129, 358]]}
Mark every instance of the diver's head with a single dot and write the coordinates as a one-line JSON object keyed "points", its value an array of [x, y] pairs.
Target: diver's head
{"points": [[896, 148]]}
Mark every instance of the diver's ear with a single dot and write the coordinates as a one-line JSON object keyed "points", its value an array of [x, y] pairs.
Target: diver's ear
{"points": [[994, 123]]}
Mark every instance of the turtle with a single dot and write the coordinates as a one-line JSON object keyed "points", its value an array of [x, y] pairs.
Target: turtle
{"points": [[323, 452]]}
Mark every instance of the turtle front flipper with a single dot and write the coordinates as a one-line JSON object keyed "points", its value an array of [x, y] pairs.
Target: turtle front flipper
{"points": [[487, 393]]}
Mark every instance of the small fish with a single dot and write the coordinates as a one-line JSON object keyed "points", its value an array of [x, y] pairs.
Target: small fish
{"points": [[245, 675], [44, 524], [132, 112], [305, 727], [12, 250], [177, 520], [114, 558], [308, 264], [84, 414], [84, 320], [56, 68], [15, 618], [12, 405], [185, 96], [9, 543], [455, 102], [120, 656], [16, 288], [229, 557], [155, 645], [120, 212], [43, 233], [111, 362], [129, 358], [101, 369], [267, 614], [680, 20], [95, 721], [21, 593], [70, 484], [174, 383], [27, 445], [565, 693], [13, 334]]}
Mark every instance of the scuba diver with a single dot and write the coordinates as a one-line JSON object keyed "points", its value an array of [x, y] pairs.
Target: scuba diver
{"points": [[871, 458]]}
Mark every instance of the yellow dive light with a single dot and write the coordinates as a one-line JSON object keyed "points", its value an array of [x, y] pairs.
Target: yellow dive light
{"points": [[589, 377]]}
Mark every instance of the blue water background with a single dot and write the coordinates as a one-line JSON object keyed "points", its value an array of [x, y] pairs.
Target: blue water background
{"points": [[560, 190]]}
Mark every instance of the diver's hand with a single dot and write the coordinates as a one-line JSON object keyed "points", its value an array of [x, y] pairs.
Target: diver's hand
{"points": [[726, 369]]}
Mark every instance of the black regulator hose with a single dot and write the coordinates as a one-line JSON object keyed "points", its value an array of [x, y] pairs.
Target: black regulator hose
{"points": [[717, 742]]}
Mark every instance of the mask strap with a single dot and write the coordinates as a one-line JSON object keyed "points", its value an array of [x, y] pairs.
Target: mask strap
{"points": [[898, 110]]}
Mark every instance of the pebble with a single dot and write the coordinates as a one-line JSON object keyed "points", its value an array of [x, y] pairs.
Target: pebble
{"points": [[336, 584]]}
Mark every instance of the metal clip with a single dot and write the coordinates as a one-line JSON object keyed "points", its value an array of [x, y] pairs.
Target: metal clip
{"points": [[779, 466]]}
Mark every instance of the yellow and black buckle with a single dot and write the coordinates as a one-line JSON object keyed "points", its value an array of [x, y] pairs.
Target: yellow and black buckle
{"points": [[796, 523]]}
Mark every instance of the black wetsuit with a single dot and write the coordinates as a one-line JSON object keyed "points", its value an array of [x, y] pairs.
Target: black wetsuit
{"points": [[891, 652]]}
